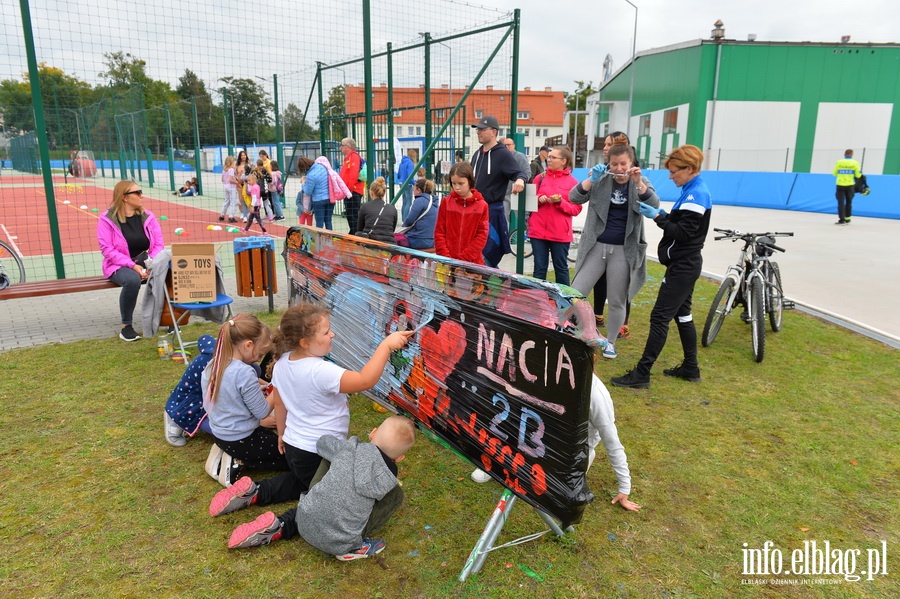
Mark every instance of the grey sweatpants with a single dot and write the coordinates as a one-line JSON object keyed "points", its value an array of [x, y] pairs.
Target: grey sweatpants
{"points": [[608, 259]]}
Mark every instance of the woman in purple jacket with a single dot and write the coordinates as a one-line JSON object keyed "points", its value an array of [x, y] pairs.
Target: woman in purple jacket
{"points": [[129, 239]]}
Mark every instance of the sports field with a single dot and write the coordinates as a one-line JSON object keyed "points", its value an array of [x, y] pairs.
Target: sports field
{"points": [[25, 223]]}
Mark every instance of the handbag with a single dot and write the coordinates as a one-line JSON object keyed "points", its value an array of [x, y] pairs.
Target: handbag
{"points": [[403, 230]]}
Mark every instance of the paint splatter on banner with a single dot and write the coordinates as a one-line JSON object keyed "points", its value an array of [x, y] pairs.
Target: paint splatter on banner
{"points": [[500, 366]]}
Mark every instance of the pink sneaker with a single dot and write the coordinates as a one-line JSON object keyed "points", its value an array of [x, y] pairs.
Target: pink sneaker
{"points": [[238, 496], [369, 548], [262, 531]]}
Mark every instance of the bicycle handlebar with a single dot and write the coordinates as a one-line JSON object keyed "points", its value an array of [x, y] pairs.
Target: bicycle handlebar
{"points": [[734, 234]]}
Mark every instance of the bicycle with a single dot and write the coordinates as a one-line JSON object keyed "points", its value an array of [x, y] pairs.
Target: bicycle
{"points": [[755, 283], [12, 270], [528, 251]]}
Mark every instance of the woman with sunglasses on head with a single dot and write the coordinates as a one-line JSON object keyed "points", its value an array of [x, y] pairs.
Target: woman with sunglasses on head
{"points": [[550, 228], [684, 231], [129, 237]]}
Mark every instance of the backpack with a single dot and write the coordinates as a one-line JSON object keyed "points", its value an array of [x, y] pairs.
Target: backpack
{"points": [[279, 186], [861, 187], [363, 173]]}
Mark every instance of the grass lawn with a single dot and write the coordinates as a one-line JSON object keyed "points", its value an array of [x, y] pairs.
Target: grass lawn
{"points": [[94, 503]]}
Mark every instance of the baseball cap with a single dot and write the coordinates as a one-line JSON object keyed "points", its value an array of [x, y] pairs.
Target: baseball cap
{"points": [[487, 122], [545, 149]]}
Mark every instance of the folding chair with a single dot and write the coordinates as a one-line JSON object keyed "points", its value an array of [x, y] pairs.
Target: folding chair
{"points": [[177, 321]]}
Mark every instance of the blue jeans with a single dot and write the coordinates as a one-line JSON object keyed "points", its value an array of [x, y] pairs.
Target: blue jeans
{"points": [[407, 203], [130, 282], [323, 211], [276, 204], [558, 251], [420, 244]]}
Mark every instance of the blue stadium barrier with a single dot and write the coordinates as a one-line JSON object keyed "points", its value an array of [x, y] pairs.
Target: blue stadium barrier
{"points": [[803, 192]]}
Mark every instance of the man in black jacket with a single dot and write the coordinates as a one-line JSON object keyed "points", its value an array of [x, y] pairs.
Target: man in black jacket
{"points": [[494, 167]]}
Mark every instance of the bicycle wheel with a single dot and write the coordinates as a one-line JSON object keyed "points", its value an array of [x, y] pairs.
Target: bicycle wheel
{"points": [[757, 310], [527, 251], [12, 270], [717, 312], [774, 297]]}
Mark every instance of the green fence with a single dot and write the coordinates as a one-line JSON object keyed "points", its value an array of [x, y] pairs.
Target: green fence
{"points": [[159, 94]]}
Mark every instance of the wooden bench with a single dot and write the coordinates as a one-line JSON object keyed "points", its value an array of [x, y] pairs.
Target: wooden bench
{"points": [[55, 287]]}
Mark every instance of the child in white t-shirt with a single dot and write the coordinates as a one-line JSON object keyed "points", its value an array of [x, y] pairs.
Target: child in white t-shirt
{"points": [[310, 398]]}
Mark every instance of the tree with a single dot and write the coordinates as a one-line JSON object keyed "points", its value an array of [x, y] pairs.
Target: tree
{"points": [[579, 98], [210, 117], [333, 108], [251, 109], [295, 127], [62, 95], [123, 69]]}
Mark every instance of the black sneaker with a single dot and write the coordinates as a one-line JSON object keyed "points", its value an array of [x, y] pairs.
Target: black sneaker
{"points": [[127, 334], [632, 379], [687, 374], [278, 218], [222, 218]]}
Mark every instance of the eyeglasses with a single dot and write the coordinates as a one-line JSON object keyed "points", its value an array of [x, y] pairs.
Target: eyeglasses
{"points": [[552, 157], [137, 192], [680, 168]]}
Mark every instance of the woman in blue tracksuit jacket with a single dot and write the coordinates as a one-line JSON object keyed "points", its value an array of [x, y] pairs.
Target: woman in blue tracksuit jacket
{"points": [[684, 231]]}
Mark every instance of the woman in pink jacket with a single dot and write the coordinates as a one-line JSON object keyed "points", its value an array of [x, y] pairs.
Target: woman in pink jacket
{"points": [[550, 228], [129, 238]]}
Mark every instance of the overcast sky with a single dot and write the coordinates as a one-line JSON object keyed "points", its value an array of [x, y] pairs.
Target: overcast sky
{"points": [[561, 42]]}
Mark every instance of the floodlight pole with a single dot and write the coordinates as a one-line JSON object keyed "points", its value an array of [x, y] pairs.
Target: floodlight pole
{"points": [[631, 85]]}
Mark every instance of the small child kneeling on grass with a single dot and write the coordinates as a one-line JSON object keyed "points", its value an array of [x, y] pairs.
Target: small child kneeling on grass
{"points": [[362, 476]]}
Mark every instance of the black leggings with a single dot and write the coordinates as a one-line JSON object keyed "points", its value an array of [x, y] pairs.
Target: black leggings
{"points": [[257, 451], [130, 282], [674, 301]]}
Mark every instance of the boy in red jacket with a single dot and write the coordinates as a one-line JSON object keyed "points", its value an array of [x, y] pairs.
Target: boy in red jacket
{"points": [[462, 222]]}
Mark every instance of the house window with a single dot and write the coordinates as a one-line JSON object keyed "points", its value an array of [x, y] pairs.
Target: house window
{"points": [[527, 131], [409, 130], [439, 114], [399, 130], [523, 114], [670, 120], [418, 131], [397, 113], [479, 114], [645, 125], [546, 134]]}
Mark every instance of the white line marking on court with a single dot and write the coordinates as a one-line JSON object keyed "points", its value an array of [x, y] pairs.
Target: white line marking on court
{"points": [[11, 242]]}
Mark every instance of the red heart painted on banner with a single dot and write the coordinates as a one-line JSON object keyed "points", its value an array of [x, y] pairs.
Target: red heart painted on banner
{"points": [[442, 350]]}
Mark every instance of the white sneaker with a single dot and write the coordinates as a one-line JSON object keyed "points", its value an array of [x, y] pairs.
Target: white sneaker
{"points": [[228, 470], [213, 461], [480, 476], [174, 433], [609, 351]]}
